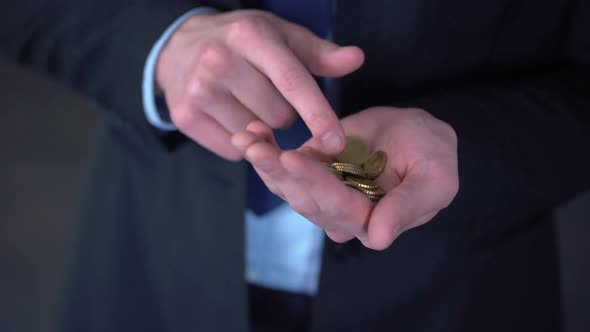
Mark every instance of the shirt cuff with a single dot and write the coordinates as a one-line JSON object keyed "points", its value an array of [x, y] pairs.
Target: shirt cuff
{"points": [[151, 106]]}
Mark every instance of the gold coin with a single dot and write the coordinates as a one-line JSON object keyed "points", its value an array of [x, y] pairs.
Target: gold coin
{"points": [[350, 184], [362, 182], [374, 192], [326, 165], [333, 170], [350, 169], [374, 195], [356, 151], [375, 164], [374, 198]]}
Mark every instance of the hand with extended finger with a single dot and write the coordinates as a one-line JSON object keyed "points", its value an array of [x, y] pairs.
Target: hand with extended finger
{"points": [[221, 72]]}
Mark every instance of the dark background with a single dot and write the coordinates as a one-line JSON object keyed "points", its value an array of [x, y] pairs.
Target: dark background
{"points": [[46, 148]]}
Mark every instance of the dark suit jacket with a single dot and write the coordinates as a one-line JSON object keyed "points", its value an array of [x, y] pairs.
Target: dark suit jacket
{"points": [[160, 245]]}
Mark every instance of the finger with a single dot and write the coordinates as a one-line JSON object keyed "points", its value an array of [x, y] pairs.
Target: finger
{"points": [[221, 65], [339, 237], [254, 39], [211, 135], [414, 202], [343, 210], [322, 57], [263, 131], [226, 110], [265, 160], [243, 139]]}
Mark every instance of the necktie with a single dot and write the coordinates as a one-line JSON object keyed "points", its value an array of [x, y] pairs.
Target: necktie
{"points": [[316, 15]]}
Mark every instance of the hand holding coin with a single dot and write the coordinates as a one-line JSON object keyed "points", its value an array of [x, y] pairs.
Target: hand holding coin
{"points": [[398, 171]]}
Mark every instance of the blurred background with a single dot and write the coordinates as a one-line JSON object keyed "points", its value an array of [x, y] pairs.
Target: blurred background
{"points": [[46, 147]]}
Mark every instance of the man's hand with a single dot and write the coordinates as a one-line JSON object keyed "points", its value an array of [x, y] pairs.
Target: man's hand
{"points": [[221, 72], [421, 176]]}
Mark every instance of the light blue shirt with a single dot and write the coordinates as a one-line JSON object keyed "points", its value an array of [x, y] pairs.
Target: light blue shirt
{"points": [[283, 249]]}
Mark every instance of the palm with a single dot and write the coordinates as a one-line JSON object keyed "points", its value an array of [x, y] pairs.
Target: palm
{"points": [[420, 177]]}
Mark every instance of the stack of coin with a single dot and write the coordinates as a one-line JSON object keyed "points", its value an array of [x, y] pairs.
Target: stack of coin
{"points": [[357, 166]]}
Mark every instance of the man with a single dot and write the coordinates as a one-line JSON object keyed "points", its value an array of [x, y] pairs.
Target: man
{"points": [[162, 238]]}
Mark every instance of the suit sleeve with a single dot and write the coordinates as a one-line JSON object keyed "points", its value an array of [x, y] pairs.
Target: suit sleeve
{"points": [[97, 47], [524, 140]]}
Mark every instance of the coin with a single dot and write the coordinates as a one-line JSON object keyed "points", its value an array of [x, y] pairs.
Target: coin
{"points": [[375, 164], [376, 192], [330, 168], [374, 195], [357, 166], [350, 169], [350, 183], [362, 182], [356, 151], [374, 198]]}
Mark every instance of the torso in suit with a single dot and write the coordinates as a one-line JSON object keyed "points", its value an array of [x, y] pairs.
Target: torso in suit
{"points": [[160, 246]]}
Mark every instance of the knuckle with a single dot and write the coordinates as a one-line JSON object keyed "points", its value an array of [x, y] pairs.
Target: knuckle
{"points": [[200, 92], [216, 59], [247, 28], [182, 117], [281, 118]]}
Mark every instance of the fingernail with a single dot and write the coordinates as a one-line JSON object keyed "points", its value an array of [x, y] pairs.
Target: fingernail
{"points": [[332, 142]]}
